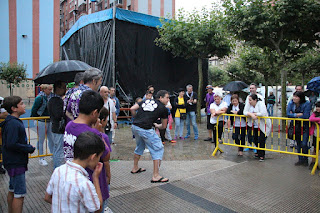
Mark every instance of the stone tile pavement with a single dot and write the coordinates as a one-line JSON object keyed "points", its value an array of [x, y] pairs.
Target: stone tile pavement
{"points": [[198, 181]]}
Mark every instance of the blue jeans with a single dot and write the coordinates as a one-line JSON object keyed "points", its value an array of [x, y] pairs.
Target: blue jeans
{"points": [[303, 145], [191, 116], [43, 128], [149, 138], [109, 133], [178, 130], [58, 156], [17, 185], [270, 109]]}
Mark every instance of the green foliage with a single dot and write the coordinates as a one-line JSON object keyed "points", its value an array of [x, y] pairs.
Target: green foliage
{"points": [[199, 35], [218, 76], [13, 73]]}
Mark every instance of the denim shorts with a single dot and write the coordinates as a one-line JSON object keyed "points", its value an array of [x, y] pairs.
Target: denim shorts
{"points": [[149, 138], [17, 185]]}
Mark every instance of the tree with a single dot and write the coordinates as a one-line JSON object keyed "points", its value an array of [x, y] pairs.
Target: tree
{"points": [[262, 62], [195, 34], [284, 26], [218, 76], [13, 73], [308, 66]]}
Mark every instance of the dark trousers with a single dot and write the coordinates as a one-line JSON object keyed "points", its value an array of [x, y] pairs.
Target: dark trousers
{"points": [[162, 134], [220, 130], [239, 138], [259, 140]]}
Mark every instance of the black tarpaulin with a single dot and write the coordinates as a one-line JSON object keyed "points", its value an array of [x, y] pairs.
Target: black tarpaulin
{"points": [[138, 61]]}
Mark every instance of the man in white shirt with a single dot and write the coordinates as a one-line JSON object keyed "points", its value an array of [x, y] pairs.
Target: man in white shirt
{"points": [[112, 118]]}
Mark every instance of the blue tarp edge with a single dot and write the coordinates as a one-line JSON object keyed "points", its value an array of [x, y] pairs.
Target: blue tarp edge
{"points": [[85, 20], [104, 15]]}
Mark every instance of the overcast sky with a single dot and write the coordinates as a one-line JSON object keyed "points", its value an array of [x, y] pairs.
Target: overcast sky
{"points": [[189, 5]]}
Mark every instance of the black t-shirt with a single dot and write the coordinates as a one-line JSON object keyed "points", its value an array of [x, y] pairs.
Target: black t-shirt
{"points": [[191, 107], [149, 112], [55, 108]]}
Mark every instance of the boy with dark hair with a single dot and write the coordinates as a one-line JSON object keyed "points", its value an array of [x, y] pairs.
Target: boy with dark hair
{"points": [[90, 105], [69, 189], [15, 151]]}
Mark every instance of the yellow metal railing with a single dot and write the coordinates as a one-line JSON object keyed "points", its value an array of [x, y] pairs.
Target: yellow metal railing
{"points": [[32, 138], [272, 146]]}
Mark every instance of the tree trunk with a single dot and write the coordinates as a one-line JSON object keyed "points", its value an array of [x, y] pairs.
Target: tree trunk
{"points": [[266, 92], [199, 101], [283, 96], [11, 89], [277, 98]]}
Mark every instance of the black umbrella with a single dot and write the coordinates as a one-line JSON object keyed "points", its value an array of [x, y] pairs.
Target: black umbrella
{"points": [[234, 86], [61, 71]]}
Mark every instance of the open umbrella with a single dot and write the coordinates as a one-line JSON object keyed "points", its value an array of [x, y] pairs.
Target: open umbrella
{"points": [[234, 86], [61, 71], [314, 84]]}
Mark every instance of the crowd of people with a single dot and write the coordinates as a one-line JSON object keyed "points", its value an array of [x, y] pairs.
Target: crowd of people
{"points": [[82, 126]]}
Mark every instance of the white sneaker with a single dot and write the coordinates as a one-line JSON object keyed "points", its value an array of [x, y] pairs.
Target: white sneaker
{"points": [[43, 162], [108, 210], [146, 151]]}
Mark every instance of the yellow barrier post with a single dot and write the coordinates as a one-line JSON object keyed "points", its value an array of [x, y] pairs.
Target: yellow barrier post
{"points": [[217, 138]]}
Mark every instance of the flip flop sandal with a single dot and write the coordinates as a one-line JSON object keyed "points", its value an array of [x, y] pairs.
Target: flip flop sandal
{"points": [[160, 180], [138, 171]]}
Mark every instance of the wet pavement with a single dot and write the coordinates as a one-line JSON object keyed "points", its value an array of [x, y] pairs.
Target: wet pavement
{"points": [[199, 182]]}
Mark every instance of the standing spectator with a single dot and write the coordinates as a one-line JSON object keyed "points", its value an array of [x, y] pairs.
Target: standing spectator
{"points": [[92, 80], [315, 117], [239, 123], [117, 105], [253, 91], [149, 90], [313, 99], [192, 99], [78, 80], [209, 100], [217, 108], [298, 107], [227, 98], [3, 115], [271, 101], [112, 118], [69, 189], [180, 114], [148, 113], [15, 152], [298, 88], [115, 100], [40, 109], [55, 108], [90, 105], [259, 128]]}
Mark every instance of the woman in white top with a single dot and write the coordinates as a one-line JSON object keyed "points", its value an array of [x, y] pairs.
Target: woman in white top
{"points": [[239, 123], [217, 108], [257, 108]]}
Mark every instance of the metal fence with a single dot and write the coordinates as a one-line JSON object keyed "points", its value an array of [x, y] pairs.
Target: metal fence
{"points": [[277, 140]]}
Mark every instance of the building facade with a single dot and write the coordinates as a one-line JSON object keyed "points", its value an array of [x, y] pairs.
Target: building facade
{"points": [[72, 10], [30, 33]]}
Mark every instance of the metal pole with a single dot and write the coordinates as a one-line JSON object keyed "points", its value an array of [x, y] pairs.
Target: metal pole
{"points": [[114, 46]]}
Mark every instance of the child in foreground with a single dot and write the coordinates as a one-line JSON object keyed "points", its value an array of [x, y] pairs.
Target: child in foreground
{"points": [[15, 152], [69, 189]]}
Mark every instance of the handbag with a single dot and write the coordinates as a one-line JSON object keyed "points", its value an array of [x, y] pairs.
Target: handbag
{"points": [[183, 116], [296, 130]]}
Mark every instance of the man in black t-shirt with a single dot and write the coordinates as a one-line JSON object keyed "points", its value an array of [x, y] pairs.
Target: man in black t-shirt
{"points": [[192, 99], [148, 112]]}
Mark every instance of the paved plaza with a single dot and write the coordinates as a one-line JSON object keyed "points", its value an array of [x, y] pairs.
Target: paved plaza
{"points": [[198, 181]]}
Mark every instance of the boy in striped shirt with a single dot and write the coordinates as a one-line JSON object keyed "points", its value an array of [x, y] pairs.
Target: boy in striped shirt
{"points": [[69, 189]]}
